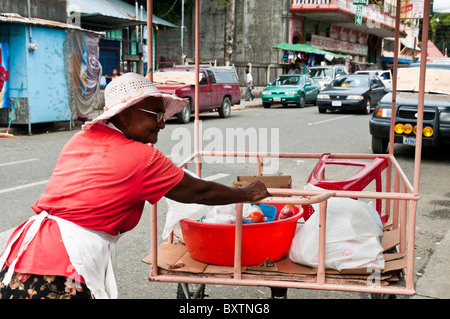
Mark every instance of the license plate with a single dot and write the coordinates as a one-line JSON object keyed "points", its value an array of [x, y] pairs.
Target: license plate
{"points": [[409, 140], [277, 99], [336, 103]]}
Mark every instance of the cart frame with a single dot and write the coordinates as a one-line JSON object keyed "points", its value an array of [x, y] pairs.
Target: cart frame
{"points": [[399, 199]]}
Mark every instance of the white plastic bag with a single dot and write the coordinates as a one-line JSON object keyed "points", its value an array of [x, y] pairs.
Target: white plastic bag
{"points": [[353, 236], [177, 211], [216, 217]]}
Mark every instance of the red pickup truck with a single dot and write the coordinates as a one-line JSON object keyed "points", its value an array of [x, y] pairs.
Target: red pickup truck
{"points": [[218, 88]]}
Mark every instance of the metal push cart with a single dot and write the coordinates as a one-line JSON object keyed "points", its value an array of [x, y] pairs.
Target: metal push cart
{"points": [[398, 199]]}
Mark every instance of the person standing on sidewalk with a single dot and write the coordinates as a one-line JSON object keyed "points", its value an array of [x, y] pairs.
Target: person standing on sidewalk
{"points": [[249, 86]]}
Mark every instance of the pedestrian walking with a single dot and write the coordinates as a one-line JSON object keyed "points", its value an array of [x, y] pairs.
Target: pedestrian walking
{"points": [[249, 80], [101, 181]]}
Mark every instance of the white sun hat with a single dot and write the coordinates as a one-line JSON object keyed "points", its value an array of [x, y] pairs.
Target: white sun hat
{"points": [[129, 89]]}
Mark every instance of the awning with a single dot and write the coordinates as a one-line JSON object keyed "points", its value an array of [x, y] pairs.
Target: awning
{"points": [[409, 45], [391, 59], [112, 13], [298, 47]]}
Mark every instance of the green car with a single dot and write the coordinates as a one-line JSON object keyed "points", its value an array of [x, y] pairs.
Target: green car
{"points": [[297, 89]]}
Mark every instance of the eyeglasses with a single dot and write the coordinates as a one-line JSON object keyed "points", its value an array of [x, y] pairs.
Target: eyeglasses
{"points": [[160, 116]]}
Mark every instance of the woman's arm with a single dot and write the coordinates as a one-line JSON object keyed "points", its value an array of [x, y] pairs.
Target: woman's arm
{"points": [[194, 190]]}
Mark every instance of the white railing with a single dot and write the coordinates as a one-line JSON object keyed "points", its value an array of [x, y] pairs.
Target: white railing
{"points": [[311, 1]]}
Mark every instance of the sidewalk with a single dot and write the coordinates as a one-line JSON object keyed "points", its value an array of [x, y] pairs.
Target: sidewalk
{"points": [[435, 283], [256, 102]]}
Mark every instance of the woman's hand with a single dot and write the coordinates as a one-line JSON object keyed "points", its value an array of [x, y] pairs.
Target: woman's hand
{"points": [[256, 191]]}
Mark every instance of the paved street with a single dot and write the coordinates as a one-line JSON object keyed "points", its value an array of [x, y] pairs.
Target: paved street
{"points": [[26, 163]]}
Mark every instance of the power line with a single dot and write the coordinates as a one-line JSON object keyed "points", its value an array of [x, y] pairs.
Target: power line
{"points": [[173, 5]]}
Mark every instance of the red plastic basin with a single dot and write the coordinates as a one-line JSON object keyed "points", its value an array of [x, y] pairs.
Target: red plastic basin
{"points": [[214, 243]]}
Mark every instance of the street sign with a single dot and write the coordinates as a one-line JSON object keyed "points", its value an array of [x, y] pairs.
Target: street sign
{"points": [[358, 16]]}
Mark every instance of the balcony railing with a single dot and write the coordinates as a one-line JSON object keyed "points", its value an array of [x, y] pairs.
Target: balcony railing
{"points": [[387, 8], [313, 1], [376, 15]]}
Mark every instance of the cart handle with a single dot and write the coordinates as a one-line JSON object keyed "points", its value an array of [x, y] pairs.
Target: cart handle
{"points": [[304, 200]]}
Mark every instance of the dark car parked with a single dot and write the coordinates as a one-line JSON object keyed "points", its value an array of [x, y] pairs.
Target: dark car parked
{"points": [[352, 92], [436, 113]]}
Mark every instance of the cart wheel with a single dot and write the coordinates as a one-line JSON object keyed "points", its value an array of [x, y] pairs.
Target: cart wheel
{"points": [[382, 296], [278, 292], [190, 291]]}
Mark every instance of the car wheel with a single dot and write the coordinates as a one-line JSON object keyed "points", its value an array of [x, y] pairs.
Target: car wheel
{"points": [[302, 101], [322, 109], [266, 105], [367, 107], [225, 110], [379, 145], [185, 115]]}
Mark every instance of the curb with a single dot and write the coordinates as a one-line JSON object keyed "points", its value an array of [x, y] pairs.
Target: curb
{"points": [[257, 102]]}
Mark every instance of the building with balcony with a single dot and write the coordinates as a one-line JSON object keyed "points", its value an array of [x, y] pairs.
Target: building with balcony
{"points": [[330, 25]]}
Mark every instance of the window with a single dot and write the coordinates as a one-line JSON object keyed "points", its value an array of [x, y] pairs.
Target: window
{"points": [[378, 82], [212, 78], [350, 81], [203, 80], [385, 76]]}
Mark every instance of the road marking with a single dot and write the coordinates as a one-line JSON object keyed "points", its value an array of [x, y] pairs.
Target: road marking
{"points": [[329, 120], [12, 189], [20, 162], [215, 177]]}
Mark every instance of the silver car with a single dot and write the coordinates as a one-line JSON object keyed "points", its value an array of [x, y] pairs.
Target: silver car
{"points": [[326, 74]]}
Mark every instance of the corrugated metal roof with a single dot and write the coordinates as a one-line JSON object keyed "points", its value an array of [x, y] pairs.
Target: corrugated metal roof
{"points": [[108, 11], [16, 18]]}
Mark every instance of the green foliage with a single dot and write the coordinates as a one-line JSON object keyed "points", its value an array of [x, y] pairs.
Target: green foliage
{"points": [[440, 28]]}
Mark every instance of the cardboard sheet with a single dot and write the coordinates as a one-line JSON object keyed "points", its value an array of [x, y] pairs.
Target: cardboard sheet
{"points": [[436, 80], [175, 257]]}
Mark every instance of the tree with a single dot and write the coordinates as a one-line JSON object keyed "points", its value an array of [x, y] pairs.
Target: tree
{"points": [[440, 28], [229, 31]]}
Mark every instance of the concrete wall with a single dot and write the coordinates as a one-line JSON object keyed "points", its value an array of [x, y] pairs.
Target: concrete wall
{"points": [[45, 9], [259, 25]]}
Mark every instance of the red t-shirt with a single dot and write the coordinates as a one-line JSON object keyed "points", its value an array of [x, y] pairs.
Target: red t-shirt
{"points": [[101, 181]]}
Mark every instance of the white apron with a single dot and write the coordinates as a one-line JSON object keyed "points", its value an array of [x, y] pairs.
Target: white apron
{"points": [[92, 253]]}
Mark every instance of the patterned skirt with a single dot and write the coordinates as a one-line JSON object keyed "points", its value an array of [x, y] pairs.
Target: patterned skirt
{"points": [[26, 286]]}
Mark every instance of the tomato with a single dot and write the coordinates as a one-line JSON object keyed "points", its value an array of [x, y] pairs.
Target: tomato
{"points": [[287, 211], [255, 217]]}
